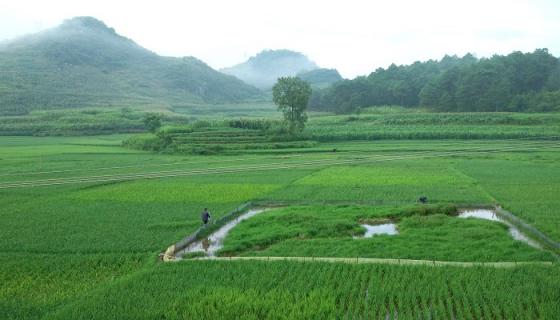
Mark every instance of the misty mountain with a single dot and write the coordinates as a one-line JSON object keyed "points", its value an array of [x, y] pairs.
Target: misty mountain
{"points": [[320, 78], [82, 62], [266, 67]]}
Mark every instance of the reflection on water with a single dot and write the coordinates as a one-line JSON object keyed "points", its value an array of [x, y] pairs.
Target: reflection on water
{"points": [[481, 214], [491, 215], [206, 244], [386, 228], [215, 241]]}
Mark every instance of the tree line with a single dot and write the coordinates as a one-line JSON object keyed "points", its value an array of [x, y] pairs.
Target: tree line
{"points": [[516, 82]]}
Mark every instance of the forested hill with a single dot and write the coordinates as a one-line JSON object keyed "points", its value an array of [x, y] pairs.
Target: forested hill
{"points": [[516, 82], [83, 62], [320, 78], [265, 68]]}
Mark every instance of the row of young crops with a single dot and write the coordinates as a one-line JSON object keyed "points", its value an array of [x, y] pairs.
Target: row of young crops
{"points": [[220, 135], [433, 126], [466, 118], [288, 290], [372, 131], [211, 137]]}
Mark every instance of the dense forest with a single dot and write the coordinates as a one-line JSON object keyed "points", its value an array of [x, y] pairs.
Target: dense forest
{"points": [[516, 82], [320, 78]]}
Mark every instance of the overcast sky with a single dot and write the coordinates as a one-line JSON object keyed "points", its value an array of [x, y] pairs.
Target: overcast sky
{"points": [[354, 36]]}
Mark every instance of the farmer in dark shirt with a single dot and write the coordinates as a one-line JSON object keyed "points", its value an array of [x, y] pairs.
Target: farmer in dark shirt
{"points": [[205, 216]]}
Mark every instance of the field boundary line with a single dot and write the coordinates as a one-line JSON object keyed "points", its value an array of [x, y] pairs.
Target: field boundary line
{"points": [[358, 260], [274, 166], [136, 165], [308, 162], [146, 165]]}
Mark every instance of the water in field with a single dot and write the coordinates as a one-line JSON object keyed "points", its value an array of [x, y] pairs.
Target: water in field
{"points": [[492, 216], [386, 228], [480, 214], [215, 241]]}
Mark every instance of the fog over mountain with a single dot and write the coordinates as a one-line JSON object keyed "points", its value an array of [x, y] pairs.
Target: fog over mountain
{"points": [[83, 62], [321, 78], [266, 67]]}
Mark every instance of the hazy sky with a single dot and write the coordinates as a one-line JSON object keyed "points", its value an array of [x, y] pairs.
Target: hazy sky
{"points": [[353, 36]]}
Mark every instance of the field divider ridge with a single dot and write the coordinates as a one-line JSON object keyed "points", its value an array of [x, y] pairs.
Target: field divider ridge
{"points": [[270, 166], [535, 233], [396, 261], [170, 253]]}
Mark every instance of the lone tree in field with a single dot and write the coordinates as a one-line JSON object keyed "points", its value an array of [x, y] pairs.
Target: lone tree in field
{"points": [[152, 121], [291, 95]]}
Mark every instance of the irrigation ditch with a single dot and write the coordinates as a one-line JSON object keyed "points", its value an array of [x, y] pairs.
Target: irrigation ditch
{"points": [[536, 235], [195, 242], [171, 252]]}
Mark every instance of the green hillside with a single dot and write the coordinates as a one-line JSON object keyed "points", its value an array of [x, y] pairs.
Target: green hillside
{"points": [[321, 78], [83, 62]]}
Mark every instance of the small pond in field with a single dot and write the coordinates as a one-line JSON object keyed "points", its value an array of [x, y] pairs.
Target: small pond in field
{"points": [[487, 214], [375, 229]]}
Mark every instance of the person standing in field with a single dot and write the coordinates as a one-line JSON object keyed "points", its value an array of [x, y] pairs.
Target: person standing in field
{"points": [[205, 216]]}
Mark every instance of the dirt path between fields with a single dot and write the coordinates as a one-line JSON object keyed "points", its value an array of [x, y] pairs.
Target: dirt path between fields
{"points": [[358, 260]]}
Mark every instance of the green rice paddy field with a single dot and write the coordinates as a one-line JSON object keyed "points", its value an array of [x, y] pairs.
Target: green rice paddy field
{"points": [[84, 245]]}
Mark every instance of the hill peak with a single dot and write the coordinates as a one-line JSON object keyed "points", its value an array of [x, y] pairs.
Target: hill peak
{"points": [[87, 23], [83, 62], [263, 69], [270, 53]]}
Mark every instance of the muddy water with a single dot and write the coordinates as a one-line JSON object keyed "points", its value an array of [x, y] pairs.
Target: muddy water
{"points": [[371, 230], [215, 241], [491, 215]]}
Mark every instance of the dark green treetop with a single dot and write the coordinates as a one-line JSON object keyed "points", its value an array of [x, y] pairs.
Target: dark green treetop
{"points": [[291, 95], [152, 121]]}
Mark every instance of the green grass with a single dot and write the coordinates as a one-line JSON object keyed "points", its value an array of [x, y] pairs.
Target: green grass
{"points": [[288, 290], [142, 216], [434, 126], [530, 189], [34, 284], [78, 122], [89, 250], [387, 182], [424, 233]]}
